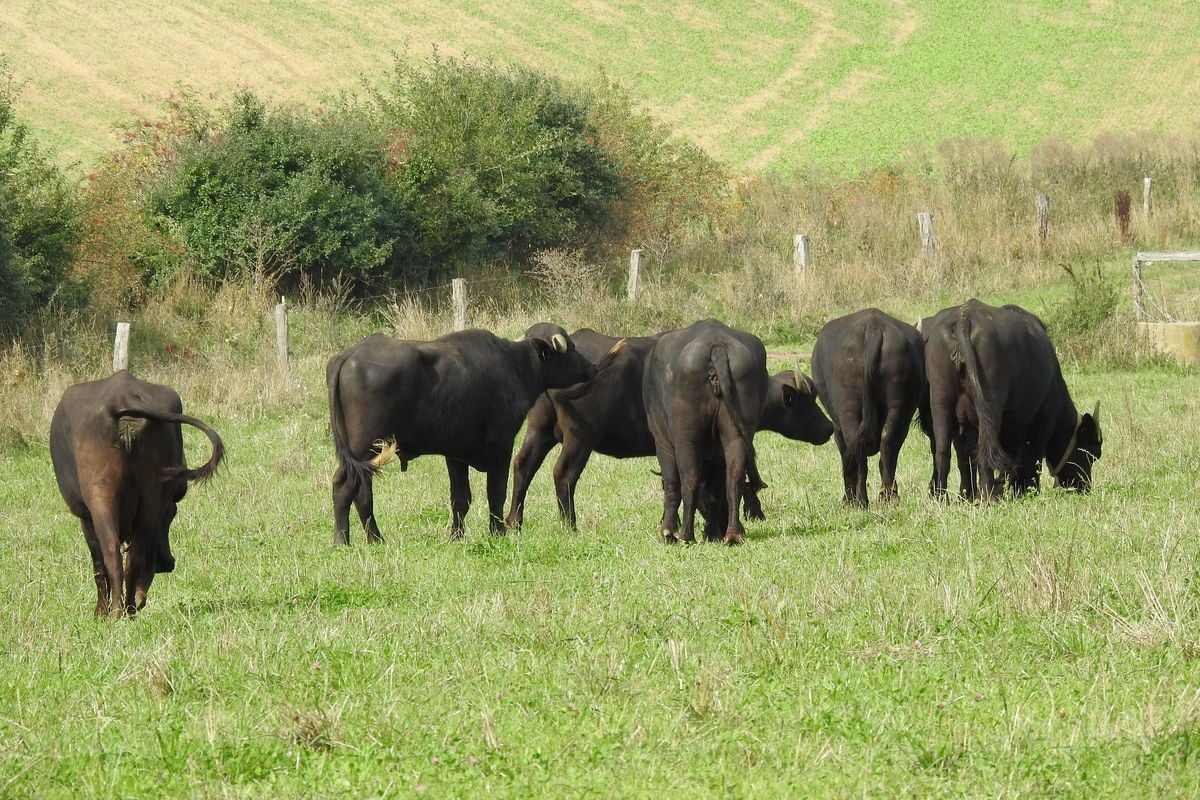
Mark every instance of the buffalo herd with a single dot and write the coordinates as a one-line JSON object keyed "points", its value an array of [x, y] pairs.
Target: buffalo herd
{"points": [[981, 380]]}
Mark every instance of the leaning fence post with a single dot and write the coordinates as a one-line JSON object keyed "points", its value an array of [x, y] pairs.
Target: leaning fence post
{"points": [[121, 347], [1043, 216], [281, 337], [1147, 199], [800, 254], [1139, 291], [928, 241], [458, 299], [635, 279]]}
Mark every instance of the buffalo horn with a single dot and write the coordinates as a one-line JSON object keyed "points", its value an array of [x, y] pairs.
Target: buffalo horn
{"points": [[560, 343], [1096, 419]]}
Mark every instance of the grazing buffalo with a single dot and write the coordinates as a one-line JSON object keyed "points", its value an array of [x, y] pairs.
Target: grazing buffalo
{"points": [[704, 388], [117, 450], [462, 396], [996, 390], [542, 429], [606, 414], [869, 369]]}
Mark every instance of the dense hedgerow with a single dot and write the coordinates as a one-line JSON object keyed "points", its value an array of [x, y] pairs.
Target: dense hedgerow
{"points": [[39, 225], [452, 165]]}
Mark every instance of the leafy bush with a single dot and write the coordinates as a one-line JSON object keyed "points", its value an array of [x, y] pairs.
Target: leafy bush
{"points": [[38, 220], [283, 193], [494, 162]]}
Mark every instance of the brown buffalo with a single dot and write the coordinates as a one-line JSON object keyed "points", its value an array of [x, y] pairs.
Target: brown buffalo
{"points": [[117, 450]]}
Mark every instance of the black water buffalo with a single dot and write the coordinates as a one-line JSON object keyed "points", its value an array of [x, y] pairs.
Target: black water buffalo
{"points": [[542, 431], [996, 390], [607, 415], [869, 369], [704, 389], [462, 396], [117, 450]]}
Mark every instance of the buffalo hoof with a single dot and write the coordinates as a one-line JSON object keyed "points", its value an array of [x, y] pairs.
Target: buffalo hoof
{"points": [[733, 539]]}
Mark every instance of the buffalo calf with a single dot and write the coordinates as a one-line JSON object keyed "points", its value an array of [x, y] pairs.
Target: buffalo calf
{"points": [[117, 450]]}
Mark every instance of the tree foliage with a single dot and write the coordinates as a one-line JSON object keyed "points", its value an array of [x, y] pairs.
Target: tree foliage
{"points": [[39, 225], [495, 162]]}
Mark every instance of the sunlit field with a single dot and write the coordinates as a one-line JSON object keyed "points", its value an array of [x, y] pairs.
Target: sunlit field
{"points": [[1043, 646]]}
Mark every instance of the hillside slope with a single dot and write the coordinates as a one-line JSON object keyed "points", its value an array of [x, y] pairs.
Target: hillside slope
{"points": [[763, 85]]}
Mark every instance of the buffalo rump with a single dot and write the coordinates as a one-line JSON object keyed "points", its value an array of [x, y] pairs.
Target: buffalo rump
{"points": [[117, 449]]}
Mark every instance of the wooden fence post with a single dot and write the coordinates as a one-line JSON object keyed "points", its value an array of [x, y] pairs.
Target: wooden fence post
{"points": [[121, 347], [928, 241], [281, 337], [634, 287], [458, 299], [800, 254], [1042, 202], [1147, 200]]}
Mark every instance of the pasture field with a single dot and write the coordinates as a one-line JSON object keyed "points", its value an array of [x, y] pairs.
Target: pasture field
{"points": [[842, 84], [1049, 646]]}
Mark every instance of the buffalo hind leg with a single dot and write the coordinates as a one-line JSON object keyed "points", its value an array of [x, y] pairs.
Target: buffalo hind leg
{"points": [[736, 460], [535, 448], [108, 538], [669, 468], [690, 474], [891, 439], [570, 465], [364, 504], [343, 496], [460, 496], [99, 571]]}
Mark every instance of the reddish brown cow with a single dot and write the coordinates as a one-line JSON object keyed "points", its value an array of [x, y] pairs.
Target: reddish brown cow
{"points": [[118, 456]]}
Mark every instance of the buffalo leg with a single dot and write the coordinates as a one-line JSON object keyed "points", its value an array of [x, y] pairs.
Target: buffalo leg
{"points": [[943, 436], [571, 463], [460, 496], [497, 483], [754, 485], [343, 496], [736, 459], [364, 504], [853, 470], [669, 468], [99, 571], [895, 431], [537, 445], [108, 536], [139, 570], [690, 465]]}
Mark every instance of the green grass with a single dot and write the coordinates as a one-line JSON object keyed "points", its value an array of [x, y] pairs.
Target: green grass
{"points": [[1046, 646], [842, 84]]}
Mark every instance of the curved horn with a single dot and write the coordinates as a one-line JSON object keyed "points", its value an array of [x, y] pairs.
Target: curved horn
{"points": [[1096, 419], [560, 342]]}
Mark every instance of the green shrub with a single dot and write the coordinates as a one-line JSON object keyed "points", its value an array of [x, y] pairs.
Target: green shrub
{"points": [[39, 225], [284, 193], [494, 162]]}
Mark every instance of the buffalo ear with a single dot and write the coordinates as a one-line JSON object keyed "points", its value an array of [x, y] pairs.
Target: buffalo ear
{"points": [[789, 395], [543, 348]]}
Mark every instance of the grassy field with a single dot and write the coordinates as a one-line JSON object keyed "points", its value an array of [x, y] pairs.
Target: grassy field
{"points": [[837, 83], [1047, 646]]}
